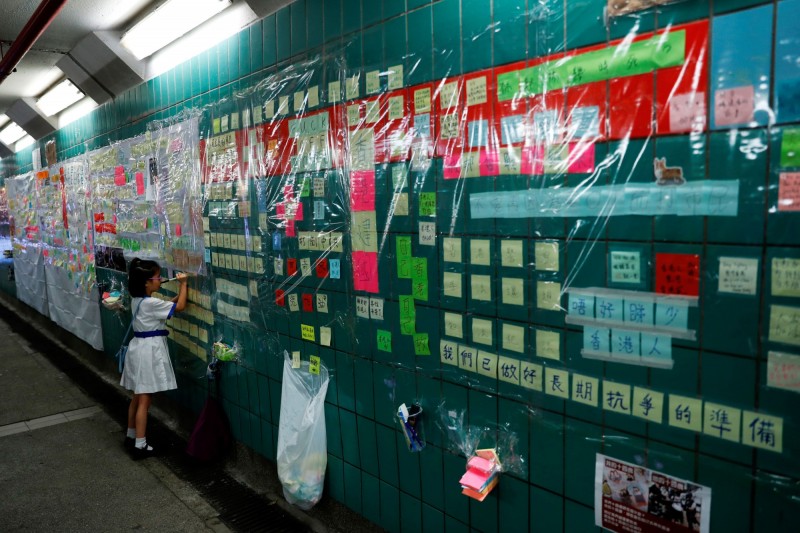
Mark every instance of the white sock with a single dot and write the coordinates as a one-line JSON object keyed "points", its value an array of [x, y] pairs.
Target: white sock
{"points": [[142, 444], [131, 434]]}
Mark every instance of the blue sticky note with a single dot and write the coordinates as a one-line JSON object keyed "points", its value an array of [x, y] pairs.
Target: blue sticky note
{"points": [[672, 314], [586, 121], [656, 346], [609, 308], [638, 311], [319, 210], [596, 339], [581, 305], [546, 124], [335, 267], [276, 241], [512, 129], [422, 125], [207, 255], [478, 131], [625, 343]]}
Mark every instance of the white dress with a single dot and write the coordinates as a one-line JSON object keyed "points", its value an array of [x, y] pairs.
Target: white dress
{"points": [[147, 365]]}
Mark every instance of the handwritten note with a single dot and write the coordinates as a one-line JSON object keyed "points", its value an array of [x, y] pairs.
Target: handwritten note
{"points": [[325, 336], [362, 307], [783, 371], [626, 266], [448, 126], [448, 352], [487, 364], [396, 111], [546, 256], [678, 274], [452, 283], [373, 81], [365, 271], [789, 191], [548, 295], [427, 204], [452, 250], [762, 431], [616, 397], [585, 389], [734, 106], [738, 275], [785, 276], [384, 340], [422, 101], [481, 288], [513, 338], [395, 77], [313, 364], [307, 332], [784, 324], [376, 308], [685, 412], [362, 190], [687, 112], [454, 325], [364, 236], [476, 91], [421, 346], [482, 331], [479, 252], [448, 95], [556, 382], [548, 344], [648, 404], [351, 87], [334, 91], [722, 421], [427, 233]]}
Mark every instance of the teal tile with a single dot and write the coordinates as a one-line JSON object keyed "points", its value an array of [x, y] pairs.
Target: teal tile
{"points": [[298, 28], [732, 488], [411, 518], [670, 15], [269, 37], [334, 477], [546, 29], [267, 440], [387, 454], [365, 403], [314, 15], [333, 19], [372, 45], [283, 33], [509, 18], [456, 505], [223, 62], [446, 45], [582, 442], [632, 24], [351, 16], [734, 5], [689, 153], [244, 428], [628, 168], [476, 38], [371, 12], [256, 56], [409, 467], [432, 519], [514, 505], [547, 451], [392, 8], [350, 444], [548, 510], [484, 515], [578, 517], [585, 23], [333, 430], [432, 477], [390, 507], [452, 525], [394, 40], [352, 487], [774, 510], [345, 381], [413, 4], [371, 497], [275, 400], [368, 445]]}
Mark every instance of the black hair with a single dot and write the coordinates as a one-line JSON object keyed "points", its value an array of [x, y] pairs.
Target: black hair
{"points": [[139, 271]]}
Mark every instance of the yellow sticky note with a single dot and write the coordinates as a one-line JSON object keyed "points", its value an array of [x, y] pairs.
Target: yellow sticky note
{"points": [[395, 77], [295, 359], [396, 107], [785, 277], [307, 332], [556, 382], [762, 431], [452, 284], [548, 344], [373, 111], [351, 87], [305, 266], [530, 375], [546, 256], [548, 295], [481, 287], [373, 81], [325, 336], [299, 100], [448, 126], [448, 96], [722, 421], [479, 253], [422, 101], [482, 331], [513, 338], [685, 412], [448, 352], [648, 404], [313, 364], [508, 369], [617, 397], [513, 291], [467, 358], [476, 91], [283, 105], [784, 324], [454, 325], [511, 253], [401, 204], [487, 364], [241, 242], [334, 91], [269, 109], [353, 114], [452, 250], [216, 126], [364, 236], [585, 389]]}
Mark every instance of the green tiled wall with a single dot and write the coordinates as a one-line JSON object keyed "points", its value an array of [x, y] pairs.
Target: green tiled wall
{"points": [[368, 467]]}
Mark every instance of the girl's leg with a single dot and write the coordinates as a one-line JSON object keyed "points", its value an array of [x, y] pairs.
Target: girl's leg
{"points": [[143, 405], [132, 411]]}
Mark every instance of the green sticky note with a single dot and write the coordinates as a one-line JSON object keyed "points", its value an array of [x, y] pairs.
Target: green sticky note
{"points": [[313, 364], [421, 344], [407, 309], [403, 257], [384, 340], [507, 85], [419, 278], [408, 326], [427, 204], [216, 126], [420, 289], [790, 147], [305, 190], [403, 246]]}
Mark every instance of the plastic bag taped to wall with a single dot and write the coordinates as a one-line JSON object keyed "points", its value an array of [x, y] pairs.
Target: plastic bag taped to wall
{"points": [[302, 445]]}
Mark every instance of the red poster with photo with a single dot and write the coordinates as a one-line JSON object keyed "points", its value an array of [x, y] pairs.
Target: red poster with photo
{"points": [[678, 274]]}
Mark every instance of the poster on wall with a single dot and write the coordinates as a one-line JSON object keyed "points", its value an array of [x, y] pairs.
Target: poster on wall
{"points": [[622, 7], [631, 498]]}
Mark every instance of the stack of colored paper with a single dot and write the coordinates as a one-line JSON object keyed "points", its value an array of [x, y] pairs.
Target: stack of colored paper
{"points": [[482, 474]]}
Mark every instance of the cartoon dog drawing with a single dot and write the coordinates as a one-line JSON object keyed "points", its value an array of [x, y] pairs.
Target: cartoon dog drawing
{"points": [[667, 175]]}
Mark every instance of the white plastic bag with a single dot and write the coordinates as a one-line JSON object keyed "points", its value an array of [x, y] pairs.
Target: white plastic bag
{"points": [[302, 442]]}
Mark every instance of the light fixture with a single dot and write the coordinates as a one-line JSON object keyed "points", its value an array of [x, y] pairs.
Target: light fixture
{"points": [[3, 119], [79, 110], [171, 20], [59, 98], [23, 143], [11, 134]]}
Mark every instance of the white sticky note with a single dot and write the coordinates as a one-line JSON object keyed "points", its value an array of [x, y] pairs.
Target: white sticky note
{"points": [[738, 275], [305, 266], [452, 250], [454, 325], [451, 284], [482, 331], [476, 91], [448, 352], [283, 105], [362, 307], [513, 338], [783, 371], [299, 100], [546, 256], [376, 308], [325, 336], [448, 96], [313, 96], [322, 303], [487, 364], [511, 253], [548, 295], [548, 344], [479, 252], [427, 233], [513, 291], [295, 359], [395, 77]]}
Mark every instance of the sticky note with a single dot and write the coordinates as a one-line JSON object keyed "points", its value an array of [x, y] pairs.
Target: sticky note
{"points": [[362, 307], [556, 382], [454, 325], [511, 253], [678, 274], [481, 287], [581, 304], [762, 431], [482, 331], [513, 291], [785, 276], [307, 332], [295, 359], [396, 107], [513, 338], [373, 111], [597, 339], [548, 295], [625, 343], [448, 95], [685, 412], [362, 190], [384, 340], [655, 346], [313, 364], [313, 96], [451, 250], [451, 284], [140, 183], [364, 237], [783, 371], [530, 375], [322, 303], [734, 106], [738, 275], [722, 421], [448, 352], [216, 126], [616, 397], [448, 126], [365, 271], [373, 82], [638, 311], [487, 364], [427, 204], [546, 256], [294, 302], [476, 91], [308, 303], [467, 358], [335, 268], [508, 370], [784, 324], [687, 112], [648, 404], [234, 121], [548, 344], [305, 266], [351, 87], [422, 101], [353, 114], [395, 77], [400, 202], [585, 389], [427, 233], [334, 91], [376, 308], [479, 252], [626, 267], [421, 344], [283, 105], [672, 314]]}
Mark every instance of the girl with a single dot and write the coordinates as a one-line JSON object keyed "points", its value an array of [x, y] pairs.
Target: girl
{"points": [[148, 368]]}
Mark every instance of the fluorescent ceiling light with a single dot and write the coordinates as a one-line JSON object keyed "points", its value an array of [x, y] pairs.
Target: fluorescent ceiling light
{"points": [[24, 143], [3, 119], [79, 110], [11, 134], [59, 98], [171, 20]]}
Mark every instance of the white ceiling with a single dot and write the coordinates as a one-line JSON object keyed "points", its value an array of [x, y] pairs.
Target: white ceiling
{"points": [[37, 72]]}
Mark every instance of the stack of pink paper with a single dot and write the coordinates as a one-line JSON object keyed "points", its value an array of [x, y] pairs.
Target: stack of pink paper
{"points": [[482, 475]]}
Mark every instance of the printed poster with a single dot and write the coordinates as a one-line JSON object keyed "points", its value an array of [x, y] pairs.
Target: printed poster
{"points": [[631, 498], [621, 7]]}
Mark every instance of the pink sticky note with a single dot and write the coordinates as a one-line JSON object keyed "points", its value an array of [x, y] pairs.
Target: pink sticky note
{"points": [[734, 106], [298, 213], [139, 183], [178, 231], [365, 271], [290, 229], [362, 190], [119, 175], [452, 166], [280, 210], [288, 192], [532, 160], [490, 163], [687, 112], [789, 191], [581, 158]]}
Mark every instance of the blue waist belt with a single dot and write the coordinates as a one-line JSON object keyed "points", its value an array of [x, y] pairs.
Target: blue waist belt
{"points": [[146, 334]]}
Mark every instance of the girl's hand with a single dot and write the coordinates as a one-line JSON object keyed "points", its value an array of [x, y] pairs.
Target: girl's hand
{"points": [[182, 277]]}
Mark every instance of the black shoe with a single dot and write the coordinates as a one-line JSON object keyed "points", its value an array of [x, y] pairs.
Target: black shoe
{"points": [[142, 453], [130, 443]]}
